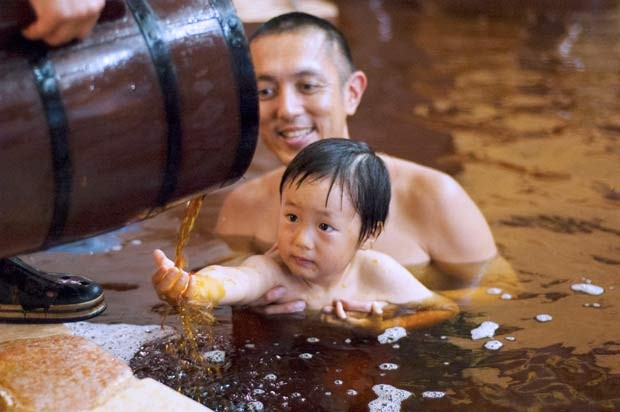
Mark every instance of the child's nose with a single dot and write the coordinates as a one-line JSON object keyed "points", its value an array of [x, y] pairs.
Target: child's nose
{"points": [[303, 238]]}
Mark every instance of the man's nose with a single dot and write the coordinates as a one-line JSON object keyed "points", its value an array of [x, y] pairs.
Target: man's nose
{"points": [[289, 103]]}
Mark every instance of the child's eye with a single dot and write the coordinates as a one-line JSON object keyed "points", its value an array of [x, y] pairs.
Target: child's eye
{"points": [[325, 227], [291, 217]]}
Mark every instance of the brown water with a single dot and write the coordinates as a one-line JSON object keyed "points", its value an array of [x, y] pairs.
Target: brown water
{"points": [[523, 107]]}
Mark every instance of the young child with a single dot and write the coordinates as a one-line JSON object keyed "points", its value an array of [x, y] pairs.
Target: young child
{"points": [[334, 200]]}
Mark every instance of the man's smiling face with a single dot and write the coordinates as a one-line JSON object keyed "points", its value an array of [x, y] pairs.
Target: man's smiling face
{"points": [[301, 91]]}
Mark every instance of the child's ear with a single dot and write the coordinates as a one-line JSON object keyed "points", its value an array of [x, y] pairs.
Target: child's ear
{"points": [[368, 243]]}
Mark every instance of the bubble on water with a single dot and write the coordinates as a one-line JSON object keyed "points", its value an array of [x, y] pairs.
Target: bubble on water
{"points": [[396, 346], [347, 340], [485, 330], [433, 394], [388, 366], [443, 337], [136, 242], [215, 356], [493, 345], [596, 305], [446, 363], [306, 356], [295, 395], [338, 382], [544, 317], [328, 394], [270, 377], [510, 338], [312, 340], [351, 392], [117, 248], [506, 296], [391, 335], [588, 288], [258, 391], [250, 345], [494, 291]]}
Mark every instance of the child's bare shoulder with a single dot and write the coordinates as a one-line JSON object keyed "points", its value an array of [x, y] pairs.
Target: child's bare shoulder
{"points": [[386, 276]]}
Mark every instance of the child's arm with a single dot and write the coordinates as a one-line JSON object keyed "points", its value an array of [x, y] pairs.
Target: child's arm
{"points": [[215, 284], [392, 296]]}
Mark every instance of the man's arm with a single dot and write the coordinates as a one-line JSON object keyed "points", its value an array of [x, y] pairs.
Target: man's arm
{"points": [[457, 236]]}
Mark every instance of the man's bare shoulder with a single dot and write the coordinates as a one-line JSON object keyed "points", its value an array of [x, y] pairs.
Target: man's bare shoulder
{"points": [[421, 183], [254, 192]]}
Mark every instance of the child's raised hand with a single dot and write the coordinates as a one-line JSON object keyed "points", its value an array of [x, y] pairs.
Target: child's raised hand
{"points": [[170, 283], [340, 307]]}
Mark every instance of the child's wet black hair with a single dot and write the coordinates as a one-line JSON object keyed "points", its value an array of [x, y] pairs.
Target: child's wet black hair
{"points": [[356, 168]]}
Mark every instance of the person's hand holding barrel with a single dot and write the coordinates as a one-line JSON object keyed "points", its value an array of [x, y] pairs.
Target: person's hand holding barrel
{"points": [[61, 21]]}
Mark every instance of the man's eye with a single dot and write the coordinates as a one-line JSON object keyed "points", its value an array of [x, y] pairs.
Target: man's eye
{"points": [[308, 87], [291, 217], [325, 227], [266, 93]]}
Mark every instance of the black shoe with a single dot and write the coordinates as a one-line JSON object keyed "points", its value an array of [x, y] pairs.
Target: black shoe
{"points": [[28, 295]]}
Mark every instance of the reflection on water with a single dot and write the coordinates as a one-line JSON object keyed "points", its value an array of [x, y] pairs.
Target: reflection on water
{"points": [[524, 104]]}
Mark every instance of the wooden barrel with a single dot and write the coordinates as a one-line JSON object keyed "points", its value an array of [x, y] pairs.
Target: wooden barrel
{"points": [[158, 105]]}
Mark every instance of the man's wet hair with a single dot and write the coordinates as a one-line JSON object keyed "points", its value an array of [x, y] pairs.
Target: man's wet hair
{"points": [[298, 21], [353, 166]]}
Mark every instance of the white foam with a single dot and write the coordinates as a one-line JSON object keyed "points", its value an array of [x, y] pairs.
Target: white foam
{"points": [[121, 340], [255, 406], [390, 393], [270, 377], [588, 288], [544, 317], [485, 330], [494, 291], [306, 356], [433, 394], [388, 366], [493, 345], [510, 338], [382, 405], [391, 335], [215, 356], [312, 340], [506, 296]]}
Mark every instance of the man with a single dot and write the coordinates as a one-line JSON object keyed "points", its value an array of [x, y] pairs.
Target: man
{"points": [[307, 88]]}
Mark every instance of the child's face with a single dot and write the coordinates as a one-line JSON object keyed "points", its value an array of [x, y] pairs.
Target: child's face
{"points": [[317, 241]]}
